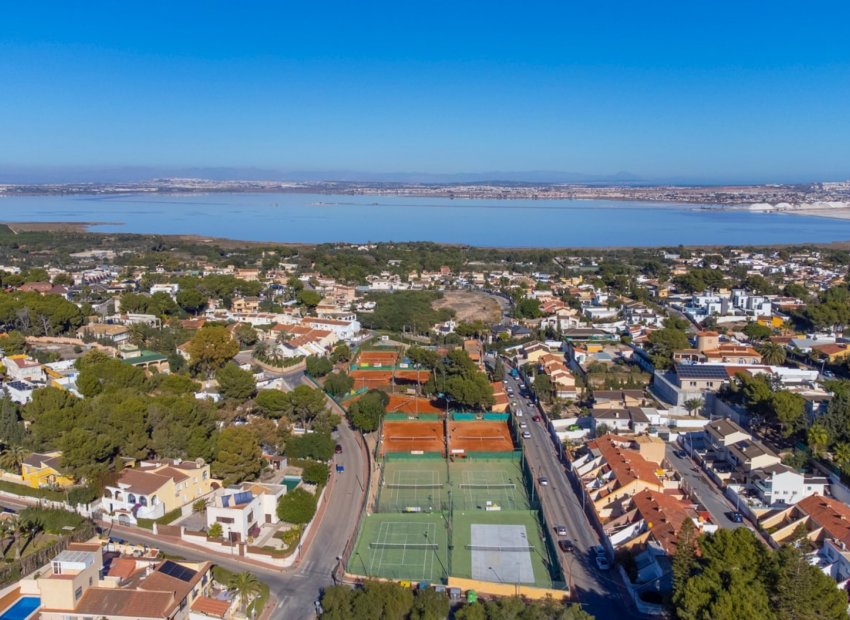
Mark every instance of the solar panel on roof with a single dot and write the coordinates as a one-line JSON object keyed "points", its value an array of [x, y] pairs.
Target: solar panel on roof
{"points": [[172, 569], [697, 371]]}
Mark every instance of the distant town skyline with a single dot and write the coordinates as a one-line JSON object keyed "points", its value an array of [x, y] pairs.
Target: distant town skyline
{"points": [[668, 92]]}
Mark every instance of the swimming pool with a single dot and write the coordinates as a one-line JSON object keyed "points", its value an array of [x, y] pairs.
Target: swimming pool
{"points": [[22, 609], [290, 481]]}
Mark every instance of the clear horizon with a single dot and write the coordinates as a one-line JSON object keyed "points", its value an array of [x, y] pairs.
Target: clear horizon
{"points": [[668, 92]]}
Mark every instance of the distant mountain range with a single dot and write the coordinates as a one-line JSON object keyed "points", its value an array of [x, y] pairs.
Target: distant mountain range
{"points": [[135, 174]]}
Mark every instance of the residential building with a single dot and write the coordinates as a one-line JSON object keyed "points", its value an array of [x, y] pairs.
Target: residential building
{"points": [[149, 361], [246, 305], [23, 368], [155, 488], [45, 470], [105, 331], [242, 511], [74, 588]]}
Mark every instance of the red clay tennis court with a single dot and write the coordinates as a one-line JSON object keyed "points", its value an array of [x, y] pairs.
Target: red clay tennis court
{"points": [[480, 436], [378, 378], [379, 358], [412, 436], [411, 405]]}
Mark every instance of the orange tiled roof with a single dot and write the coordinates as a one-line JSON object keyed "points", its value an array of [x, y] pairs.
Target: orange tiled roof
{"points": [[627, 465], [830, 514], [664, 515]]}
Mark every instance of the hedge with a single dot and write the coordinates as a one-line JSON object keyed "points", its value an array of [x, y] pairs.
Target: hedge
{"points": [[22, 489], [165, 519]]}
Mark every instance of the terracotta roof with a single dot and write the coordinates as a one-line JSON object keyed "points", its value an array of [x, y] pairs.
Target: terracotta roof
{"points": [[122, 567], [141, 482], [108, 602], [627, 465], [211, 606], [830, 514], [664, 515]]}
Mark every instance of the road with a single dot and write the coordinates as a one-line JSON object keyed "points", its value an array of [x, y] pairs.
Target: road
{"points": [[600, 593], [704, 491]]}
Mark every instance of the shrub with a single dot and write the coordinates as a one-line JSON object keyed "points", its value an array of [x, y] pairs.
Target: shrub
{"points": [[297, 507]]}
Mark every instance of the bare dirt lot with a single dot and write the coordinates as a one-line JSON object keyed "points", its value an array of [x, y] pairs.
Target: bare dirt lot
{"points": [[471, 306]]}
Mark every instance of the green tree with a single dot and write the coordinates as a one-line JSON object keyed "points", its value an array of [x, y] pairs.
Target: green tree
{"points": [[191, 300], [428, 604], [316, 445], [527, 308], [235, 383], [85, 454], [772, 354], [215, 531], [272, 403], [694, 404], [11, 427], [818, 438], [341, 353], [297, 507], [315, 472], [247, 587], [757, 331], [238, 456], [544, 388], [664, 342], [684, 561], [336, 603], [318, 366], [308, 298], [801, 591], [368, 410], [338, 384], [245, 335], [211, 348], [304, 405], [789, 410]]}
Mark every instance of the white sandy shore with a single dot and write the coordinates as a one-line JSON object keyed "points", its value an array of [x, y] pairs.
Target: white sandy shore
{"points": [[834, 210]]}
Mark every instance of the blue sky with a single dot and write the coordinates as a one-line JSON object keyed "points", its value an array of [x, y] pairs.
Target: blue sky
{"points": [[721, 91]]}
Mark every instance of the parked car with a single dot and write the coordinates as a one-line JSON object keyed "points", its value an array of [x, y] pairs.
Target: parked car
{"points": [[561, 530], [566, 545], [598, 551], [735, 516], [602, 562], [544, 481]]}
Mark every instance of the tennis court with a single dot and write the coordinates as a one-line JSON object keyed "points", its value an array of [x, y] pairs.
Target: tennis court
{"points": [[412, 436], [413, 486], [504, 547], [412, 405], [488, 485], [384, 357], [402, 547], [479, 436]]}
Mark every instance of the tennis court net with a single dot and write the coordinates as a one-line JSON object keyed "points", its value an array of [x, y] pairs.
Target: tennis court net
{"points": [[412, 546], [487, 486], [414, 485], [518, 548]]}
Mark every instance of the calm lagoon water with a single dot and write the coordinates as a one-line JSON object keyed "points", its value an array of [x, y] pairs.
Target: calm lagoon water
{"points": [[310, 218]]}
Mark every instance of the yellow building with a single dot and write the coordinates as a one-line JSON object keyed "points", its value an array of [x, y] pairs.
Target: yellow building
{"points": [[155, 488], [45, 470]]}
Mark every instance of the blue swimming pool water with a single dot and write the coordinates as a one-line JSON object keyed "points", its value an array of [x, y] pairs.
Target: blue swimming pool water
{"points": [[22, 609], [290, 482]]}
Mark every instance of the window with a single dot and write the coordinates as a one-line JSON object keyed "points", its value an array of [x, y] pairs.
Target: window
{"points": [[78, 593]]}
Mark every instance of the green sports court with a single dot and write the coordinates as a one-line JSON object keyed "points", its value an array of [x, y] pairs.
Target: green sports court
{"points": [[488, 484], [419, 485], [410, 547]]}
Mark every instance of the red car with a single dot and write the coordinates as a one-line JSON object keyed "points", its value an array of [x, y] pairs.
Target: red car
{"points": [[338, 449], [536, 418]]}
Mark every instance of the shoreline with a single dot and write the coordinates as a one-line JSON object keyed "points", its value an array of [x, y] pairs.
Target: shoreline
{"points": [[232, 243]]}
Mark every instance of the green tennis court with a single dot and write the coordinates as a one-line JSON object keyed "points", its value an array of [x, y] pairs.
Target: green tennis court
{"points": [[492, 564], [403, 547], [413, 486], [486, 485]]}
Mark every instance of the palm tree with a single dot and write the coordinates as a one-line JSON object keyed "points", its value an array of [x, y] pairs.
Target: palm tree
{"points": [[818, 438], [841, 454], [12, 457], [772, 354], [246, 586], [693, 404], [7, 531]]}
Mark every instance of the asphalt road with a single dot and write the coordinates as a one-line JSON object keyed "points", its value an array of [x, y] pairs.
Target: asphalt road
{"points": [[706, 492], [600, 592]]}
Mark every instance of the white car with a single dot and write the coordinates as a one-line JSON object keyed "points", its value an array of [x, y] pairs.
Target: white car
{"points": [[526, 435], [519, 413], [523, 425]]}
